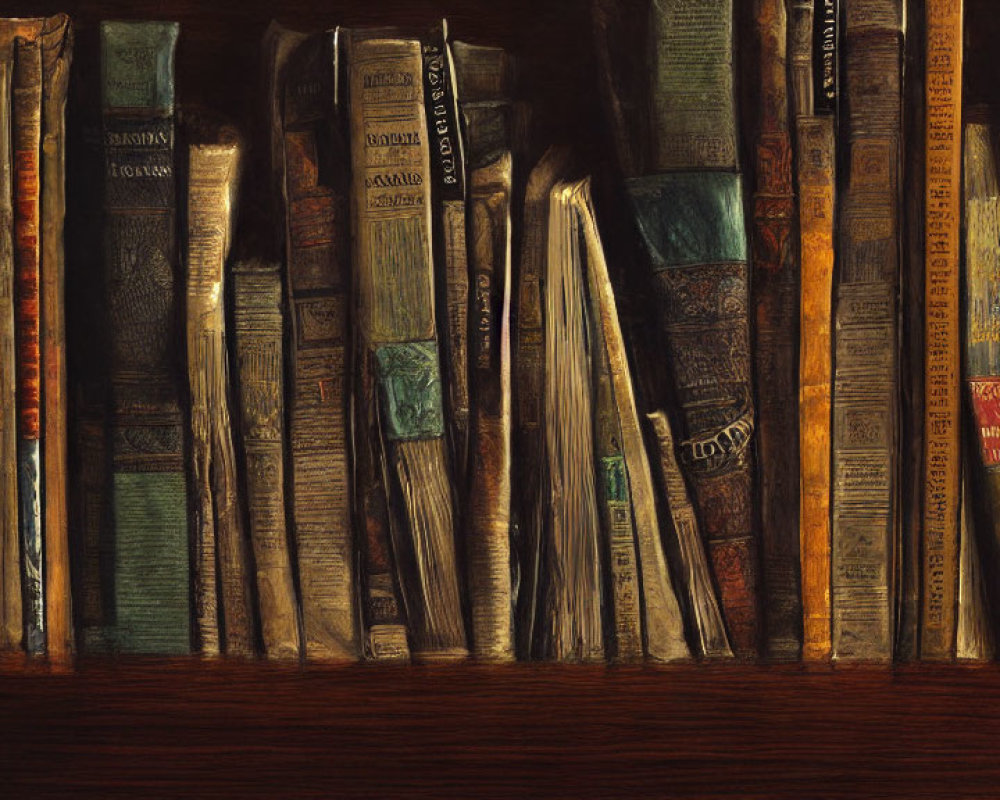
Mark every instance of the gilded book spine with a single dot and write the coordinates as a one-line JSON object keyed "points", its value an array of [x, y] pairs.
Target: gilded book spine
{"points": [[488, 506], [710, 631], [815, 167], [213, 178], [320, 392], [626, 481], [396, 322], [529, 373], [151, 586], [865, 410], [11, 619], [26, 135], [776, 289], [942, 363], [258, 329], [57, 47]]}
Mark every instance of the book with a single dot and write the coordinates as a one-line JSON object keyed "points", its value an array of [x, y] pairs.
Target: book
{"points": [[395, 321], [318, 280], [865, 520], [974, 637], [258, 335], [149, 501], [815, 161], [26, 122], [56, 41], [776, 306], [942, 496], [223, 610]]}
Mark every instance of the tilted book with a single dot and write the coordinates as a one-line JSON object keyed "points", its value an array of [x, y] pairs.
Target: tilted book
{"points": [[865, 521], [151, 565], [395, 322]]}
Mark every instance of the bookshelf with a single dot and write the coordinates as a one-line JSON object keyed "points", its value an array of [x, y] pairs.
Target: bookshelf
{"points": [[146, 727]]}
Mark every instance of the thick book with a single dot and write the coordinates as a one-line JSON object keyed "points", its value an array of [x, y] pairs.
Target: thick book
{"points": [[395, 322], [815, 154], [223, 610], [942, 496], [151, 564], [775, 257], [865, 520], [258, 333], [318, 280]]}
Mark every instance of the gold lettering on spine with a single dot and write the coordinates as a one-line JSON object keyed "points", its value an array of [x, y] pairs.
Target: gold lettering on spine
{"points": [[942, 407]]}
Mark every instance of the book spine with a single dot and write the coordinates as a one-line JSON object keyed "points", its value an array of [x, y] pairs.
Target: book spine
{"points": [[396, 320], [974, 632], [628, 483], [11, 617], [489, 497], [317, 274], [57, 48], [699, 257], [26, 125], [710, 631], [776, 291], [448, 171], [151, 585], [815, 170], [866, 405], [258, 328], [942, 366], [213, 178], [571, 625]]}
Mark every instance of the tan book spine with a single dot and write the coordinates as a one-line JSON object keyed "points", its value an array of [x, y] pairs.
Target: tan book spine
{"points": [[942, 359], [10, 550], [974, 631], [213, 180], [815, 168], [710, 630], [489, 494], [663, 626], [396, 320], [57, 49]]}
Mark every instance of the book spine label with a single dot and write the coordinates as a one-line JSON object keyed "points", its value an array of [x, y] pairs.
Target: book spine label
{"points": [[629, 490], [151, 585], [320, 391], [710, 630], [27, 123], [692, 226], [260, 376], [776, 289], [942, 364], [396, 320], [56, 41], [826, 54], [11, 617], [212, 186], [489, 497]]}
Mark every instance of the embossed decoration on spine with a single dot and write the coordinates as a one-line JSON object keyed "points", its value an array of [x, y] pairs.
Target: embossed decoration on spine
{"points": [[865, 400], [318, 291], [151, 586], [776, 293], [942, 361]]}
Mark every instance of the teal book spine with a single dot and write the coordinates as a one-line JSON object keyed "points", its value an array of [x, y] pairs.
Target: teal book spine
{"points": [[151, 568]]}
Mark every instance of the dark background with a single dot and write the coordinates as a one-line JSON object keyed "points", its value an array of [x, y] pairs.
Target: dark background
{"points": [[142, 728]]}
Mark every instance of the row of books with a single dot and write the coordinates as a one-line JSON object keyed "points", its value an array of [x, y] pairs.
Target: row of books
{"points": [[420, 408]]}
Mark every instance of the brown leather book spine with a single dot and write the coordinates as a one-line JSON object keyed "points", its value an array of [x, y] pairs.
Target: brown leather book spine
{"points": [[318, 280], [27, 102], [487, 522], [57, 48], [776, 290], [942, 364], [866, 402]]}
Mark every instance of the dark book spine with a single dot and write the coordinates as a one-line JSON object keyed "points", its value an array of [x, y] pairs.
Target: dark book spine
{"points": [[151, 585], [776, 305], [26, 126]]}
